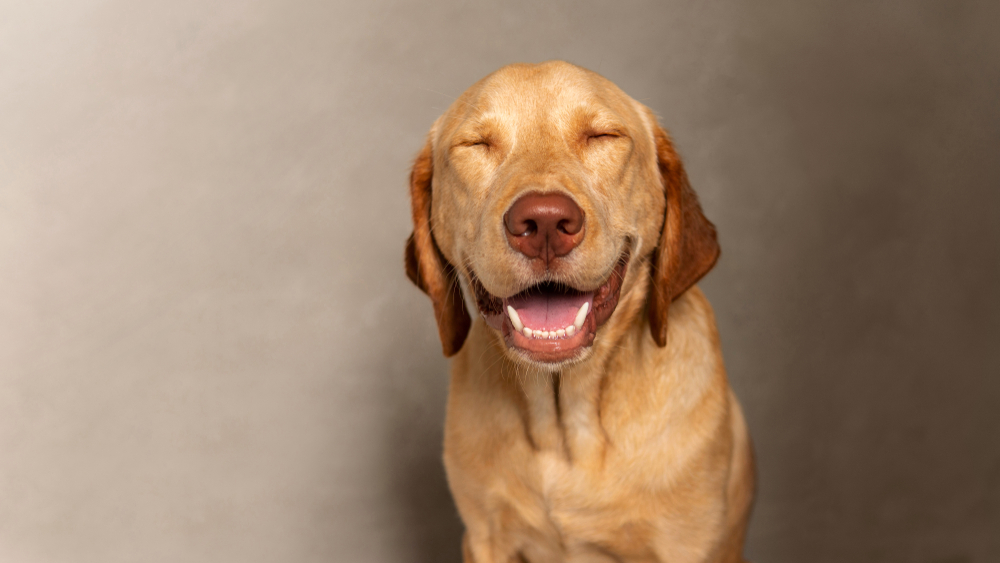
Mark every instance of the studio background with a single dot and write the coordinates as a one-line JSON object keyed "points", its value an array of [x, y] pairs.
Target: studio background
{"points": [[209, 351]]}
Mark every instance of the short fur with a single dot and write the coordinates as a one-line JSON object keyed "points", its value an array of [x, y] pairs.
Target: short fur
{"points": [[636, 450]]}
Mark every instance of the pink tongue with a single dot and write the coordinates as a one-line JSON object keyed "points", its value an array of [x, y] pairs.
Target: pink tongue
{"points": [[548, 311]]}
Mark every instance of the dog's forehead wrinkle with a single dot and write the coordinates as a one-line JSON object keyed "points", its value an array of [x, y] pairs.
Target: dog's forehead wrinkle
{"points": [[559, 97], [484, 123]]}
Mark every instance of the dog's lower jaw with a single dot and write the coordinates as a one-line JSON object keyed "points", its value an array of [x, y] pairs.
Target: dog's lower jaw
{"points": [[573, 342], [551, 355]]}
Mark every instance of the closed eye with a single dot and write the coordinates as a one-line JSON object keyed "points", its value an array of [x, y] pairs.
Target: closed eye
{"points": [[478, 145], [602, 135], [475, 143]]}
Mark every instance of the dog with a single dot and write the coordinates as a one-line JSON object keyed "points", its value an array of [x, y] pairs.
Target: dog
{"points": [[589, 417]]}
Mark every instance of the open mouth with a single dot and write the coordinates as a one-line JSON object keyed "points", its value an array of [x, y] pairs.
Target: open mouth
{"points": [[552, 322]]}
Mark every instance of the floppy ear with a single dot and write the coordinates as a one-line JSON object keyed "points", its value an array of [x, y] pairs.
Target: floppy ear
{"points": [[688, 246], [427, 268]]}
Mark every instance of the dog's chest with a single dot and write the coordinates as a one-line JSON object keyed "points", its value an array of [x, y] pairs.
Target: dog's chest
{"points": [[567, 488], [577, 504], [572, 470]]}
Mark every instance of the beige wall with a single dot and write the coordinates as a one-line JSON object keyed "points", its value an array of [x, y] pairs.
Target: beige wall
{"points": [[209, 352]]}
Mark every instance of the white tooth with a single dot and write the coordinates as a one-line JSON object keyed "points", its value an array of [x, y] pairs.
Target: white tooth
{"points": [[535, 333], [527, 332], [552, 335], [581, 315], [560, 333], [570, 330], [514, 319], [542, 333]]}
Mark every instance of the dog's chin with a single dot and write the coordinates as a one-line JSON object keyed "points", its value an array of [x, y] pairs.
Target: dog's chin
{"points": [[552, 324]]}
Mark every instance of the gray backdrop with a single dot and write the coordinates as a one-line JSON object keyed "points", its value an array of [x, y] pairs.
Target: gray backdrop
{"points": [[209, 351]]}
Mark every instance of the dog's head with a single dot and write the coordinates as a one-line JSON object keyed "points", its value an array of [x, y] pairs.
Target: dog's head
{"points": [[537, 192]]}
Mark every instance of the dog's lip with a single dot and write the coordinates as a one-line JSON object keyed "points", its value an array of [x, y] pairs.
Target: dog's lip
{"points": [[601, 300]]}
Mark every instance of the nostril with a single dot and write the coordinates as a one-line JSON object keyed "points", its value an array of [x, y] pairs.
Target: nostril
{"points": [[518, 226]]}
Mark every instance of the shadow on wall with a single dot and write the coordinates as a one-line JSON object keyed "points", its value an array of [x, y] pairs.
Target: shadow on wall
{"points": [[867, 354], [429, 510], [431, 528], [434, 530]]}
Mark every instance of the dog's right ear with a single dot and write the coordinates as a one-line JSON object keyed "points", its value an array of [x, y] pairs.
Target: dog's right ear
{"points": [[427, 268]]}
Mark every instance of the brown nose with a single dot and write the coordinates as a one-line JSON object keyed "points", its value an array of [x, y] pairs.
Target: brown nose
{"points": [[544, 226]]}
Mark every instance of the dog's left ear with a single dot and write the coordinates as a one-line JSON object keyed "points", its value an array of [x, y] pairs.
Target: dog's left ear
{"points": [[427, 268], [688, 247]]}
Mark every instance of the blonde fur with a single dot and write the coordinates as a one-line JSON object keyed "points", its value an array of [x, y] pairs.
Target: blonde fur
{"points": [[636, 450]]}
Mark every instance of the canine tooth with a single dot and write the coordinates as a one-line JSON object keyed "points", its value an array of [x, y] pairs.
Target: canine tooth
{"points": [[581, 315], [515, 319], [570, 330], [561, 333], [527, 332]]}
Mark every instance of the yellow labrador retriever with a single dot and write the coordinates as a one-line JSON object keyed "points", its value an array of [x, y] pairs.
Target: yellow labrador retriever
{"points": [[589, 417]]}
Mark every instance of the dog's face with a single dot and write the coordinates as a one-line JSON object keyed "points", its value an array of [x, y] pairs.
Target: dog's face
{"points": [[537, 190]]}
